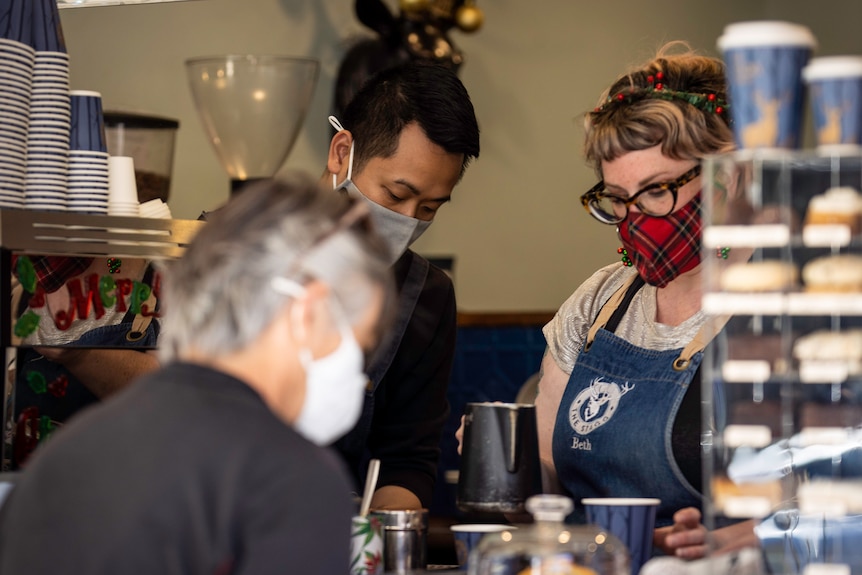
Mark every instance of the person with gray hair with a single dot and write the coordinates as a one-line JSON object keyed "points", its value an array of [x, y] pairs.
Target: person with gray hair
{"points": [[215, 463]]}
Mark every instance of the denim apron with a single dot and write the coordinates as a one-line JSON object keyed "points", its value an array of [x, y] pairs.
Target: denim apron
{"points": [[47, 394], [612, 436], [353, 445]]}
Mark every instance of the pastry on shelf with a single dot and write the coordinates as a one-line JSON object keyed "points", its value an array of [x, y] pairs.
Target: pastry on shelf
{"points": [[843, 415], [838, 273], [753, 346], [557, 566], [749, 499], [842, 348], [763, 276], [840, 205], [827, 344]]}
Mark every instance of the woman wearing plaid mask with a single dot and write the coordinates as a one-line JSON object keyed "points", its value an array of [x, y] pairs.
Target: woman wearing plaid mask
{"points": [[619, 396]]}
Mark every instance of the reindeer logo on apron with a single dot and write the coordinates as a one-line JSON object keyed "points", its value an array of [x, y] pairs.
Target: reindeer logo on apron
{"points": [[595, 405]]}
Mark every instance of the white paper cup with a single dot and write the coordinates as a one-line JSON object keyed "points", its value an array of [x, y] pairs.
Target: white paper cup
{"points": [[468, 535], [122, 188]]}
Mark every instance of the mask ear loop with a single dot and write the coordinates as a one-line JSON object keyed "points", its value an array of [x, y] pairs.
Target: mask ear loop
{"points": [[294, 290], [305, 357], [333, 121]]}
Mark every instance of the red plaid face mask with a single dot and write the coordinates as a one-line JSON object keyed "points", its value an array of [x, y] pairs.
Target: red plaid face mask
{"points": [[663, 248]]}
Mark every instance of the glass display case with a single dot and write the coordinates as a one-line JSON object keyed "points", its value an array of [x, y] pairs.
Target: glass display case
{"points": [[782, 380], [73, 283]]}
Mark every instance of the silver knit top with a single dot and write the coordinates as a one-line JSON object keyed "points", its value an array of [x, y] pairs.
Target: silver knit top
{"points": [[566, 332]]}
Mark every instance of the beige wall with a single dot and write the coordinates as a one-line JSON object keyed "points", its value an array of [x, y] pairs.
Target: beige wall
{"points": [[519, 235]]}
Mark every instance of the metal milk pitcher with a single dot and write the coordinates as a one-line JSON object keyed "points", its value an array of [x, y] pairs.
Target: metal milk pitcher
{"points": [[499, 458]]}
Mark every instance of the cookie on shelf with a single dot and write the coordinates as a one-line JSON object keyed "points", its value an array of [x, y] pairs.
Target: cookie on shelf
{"points": [[763, 276], [834, 273], [829, 345]]}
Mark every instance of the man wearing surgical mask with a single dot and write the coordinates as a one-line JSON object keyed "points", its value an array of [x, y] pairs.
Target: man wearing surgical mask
{"points": [[215, 462], [400, 147]]}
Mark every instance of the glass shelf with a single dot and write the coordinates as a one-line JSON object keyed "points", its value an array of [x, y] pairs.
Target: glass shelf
{"points": [[782, 382]]}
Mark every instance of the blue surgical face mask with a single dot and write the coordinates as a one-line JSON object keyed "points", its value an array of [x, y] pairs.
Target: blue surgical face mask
{"points": [[397, 230]]}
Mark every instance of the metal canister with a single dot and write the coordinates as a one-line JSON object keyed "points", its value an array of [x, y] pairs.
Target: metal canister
{"points": [[405, 534]]}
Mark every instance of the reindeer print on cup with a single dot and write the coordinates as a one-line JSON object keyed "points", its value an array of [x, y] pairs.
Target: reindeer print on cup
{"points": [[835, 86], [764, 62], [595, 405], [763, 132], [830, 132]]}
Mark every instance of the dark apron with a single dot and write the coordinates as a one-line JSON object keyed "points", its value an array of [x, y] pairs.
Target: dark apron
{"points": [[612, 436], [353, 445]]}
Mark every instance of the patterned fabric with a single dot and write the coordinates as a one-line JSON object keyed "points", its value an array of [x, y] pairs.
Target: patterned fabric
{"points": [[52, 272], [663, 248]]}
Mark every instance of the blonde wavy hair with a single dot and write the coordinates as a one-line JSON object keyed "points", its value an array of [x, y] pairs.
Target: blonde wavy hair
{"points": [[683, 130]]}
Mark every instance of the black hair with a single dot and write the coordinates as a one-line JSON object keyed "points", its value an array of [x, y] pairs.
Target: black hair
{"points": [[431, 95]]}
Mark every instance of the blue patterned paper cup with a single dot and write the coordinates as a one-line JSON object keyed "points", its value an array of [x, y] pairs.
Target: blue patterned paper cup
{"points": [[631, 519], [835, 89], [47, 31], [764, 62], [16, 20], [88, 122]]}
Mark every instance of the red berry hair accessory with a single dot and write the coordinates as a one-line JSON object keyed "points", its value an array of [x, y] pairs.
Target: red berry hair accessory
{"points": [[657, 90]]}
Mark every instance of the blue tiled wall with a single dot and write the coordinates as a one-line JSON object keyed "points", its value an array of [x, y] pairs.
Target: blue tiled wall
{"points": [[491, 364]]}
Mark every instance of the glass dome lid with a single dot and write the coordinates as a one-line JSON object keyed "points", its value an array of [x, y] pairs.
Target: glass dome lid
{"points": [[549, 546]]}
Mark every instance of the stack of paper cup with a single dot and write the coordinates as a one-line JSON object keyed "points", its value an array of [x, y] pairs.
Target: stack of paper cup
{"points": [[48, 137], [88, 155], [835, 90], [122, 190], [764, 74], [16, 83], [50, 113], [155, 208]]}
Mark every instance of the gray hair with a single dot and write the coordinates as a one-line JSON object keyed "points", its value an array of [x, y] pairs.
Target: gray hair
{"points": [[218, 296]]}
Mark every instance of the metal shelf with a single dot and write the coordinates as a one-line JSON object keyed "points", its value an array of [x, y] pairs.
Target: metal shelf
{"points": [[58, 233], [93, 3]]}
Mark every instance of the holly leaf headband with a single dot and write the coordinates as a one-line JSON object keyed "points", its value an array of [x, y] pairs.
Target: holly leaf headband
{"points": [[656, 90]]}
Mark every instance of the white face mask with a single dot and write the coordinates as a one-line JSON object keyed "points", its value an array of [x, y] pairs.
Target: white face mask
{"points": [[334, 384], [397, 230]]}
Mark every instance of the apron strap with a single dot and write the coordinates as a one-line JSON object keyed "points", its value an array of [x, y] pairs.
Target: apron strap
{"points": [[407, 298], [623, 295], [617, 317], [618, 303], [140, 323], [353, 445], [707, 331], [16, 308]]}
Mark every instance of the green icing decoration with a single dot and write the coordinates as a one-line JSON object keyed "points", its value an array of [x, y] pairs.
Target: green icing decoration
{"points": [[26, 324], [37, 382], [27, 274]]}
